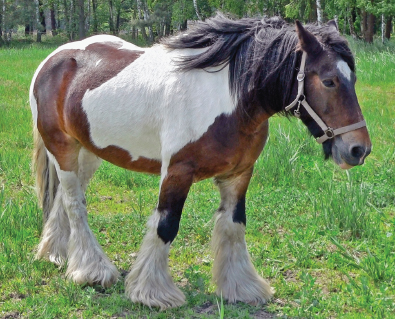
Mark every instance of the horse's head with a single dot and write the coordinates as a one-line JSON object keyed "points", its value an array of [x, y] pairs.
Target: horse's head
{"points": [[329, 88]]}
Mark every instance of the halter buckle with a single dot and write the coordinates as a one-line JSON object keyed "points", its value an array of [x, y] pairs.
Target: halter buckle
{"points": [[297, 112], [329, 133], [300, 77]]}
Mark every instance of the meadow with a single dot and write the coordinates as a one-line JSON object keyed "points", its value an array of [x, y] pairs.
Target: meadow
{"points": [[323, 237]]}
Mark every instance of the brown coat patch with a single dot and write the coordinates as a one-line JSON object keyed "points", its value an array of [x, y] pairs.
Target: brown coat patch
{"points": [[230, 146]]}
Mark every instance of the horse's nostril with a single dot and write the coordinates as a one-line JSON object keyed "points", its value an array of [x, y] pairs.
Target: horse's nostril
{"points": [[357, 151]]}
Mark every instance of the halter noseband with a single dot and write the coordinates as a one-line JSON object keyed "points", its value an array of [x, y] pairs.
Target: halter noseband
{"points": [[300, 99]]}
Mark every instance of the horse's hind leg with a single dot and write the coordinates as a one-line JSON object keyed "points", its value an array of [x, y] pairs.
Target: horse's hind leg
{"points": [[87, 263], [233, 272], [56, 232]]}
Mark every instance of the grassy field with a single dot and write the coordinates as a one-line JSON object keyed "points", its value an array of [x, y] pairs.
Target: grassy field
{"points": [[324, 238]]}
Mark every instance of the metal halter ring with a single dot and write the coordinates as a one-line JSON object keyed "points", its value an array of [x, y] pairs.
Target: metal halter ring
{"points": [[329, 133], [300, 77]]}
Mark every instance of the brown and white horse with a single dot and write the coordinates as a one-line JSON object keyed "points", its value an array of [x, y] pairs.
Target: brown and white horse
{"points": [[194, 107]]}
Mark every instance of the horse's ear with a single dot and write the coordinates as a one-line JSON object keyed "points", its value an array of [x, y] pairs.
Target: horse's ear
{"points": [[307, 41], [333, 24]]}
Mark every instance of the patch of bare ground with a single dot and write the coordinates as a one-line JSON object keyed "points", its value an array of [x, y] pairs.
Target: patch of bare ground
{"points": [[207, 308], [290, 275], [11, 315], [262, 314], [13, 295], [127, 314]]}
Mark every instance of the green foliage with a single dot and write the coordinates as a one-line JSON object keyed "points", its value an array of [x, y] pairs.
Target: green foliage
{"points": [[154, 19]]}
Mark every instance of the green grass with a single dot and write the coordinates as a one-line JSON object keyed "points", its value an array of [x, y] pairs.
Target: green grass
{"points": [[323, 237]]}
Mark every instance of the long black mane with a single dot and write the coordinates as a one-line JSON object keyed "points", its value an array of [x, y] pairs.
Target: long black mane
{"points": [[262, 55]]}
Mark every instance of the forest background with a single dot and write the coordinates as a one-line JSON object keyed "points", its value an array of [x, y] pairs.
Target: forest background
{"points": [[146, 21]]}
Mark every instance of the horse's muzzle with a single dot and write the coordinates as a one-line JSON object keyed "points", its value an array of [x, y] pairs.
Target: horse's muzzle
{"points": [[348, 155]]}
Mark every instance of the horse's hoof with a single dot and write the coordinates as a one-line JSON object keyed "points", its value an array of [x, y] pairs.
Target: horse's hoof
{"points": [[102, 273], [153, 295], [256, 292], [156, 299]]}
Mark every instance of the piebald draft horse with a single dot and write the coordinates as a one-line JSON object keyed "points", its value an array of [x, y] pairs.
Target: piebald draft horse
{"points": [[193, 107]]}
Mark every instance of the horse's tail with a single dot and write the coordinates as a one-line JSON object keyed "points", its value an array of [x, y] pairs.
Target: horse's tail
{"points": [[46, 178]]}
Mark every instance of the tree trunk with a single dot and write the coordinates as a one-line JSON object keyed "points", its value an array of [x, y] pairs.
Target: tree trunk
{"points": [[319, 12], [41, 27], [388, 28], [1, 27], [94, 13], [370, 28], [72, 23], [29, 29], [364, 23], [183, 26], [167, 29], [382, 28], [351, 25], [66, 18], [118, 19], [88, 16], [195, 5], [53, 20], [148, 22], [111, 17], [141, 18], [81, 20], [134, 29]]}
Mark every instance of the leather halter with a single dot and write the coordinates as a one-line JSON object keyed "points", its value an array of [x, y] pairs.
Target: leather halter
{"points": [[300, 99]]}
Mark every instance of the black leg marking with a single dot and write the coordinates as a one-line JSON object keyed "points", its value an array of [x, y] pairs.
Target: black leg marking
{"points": [[170, 209], [168, 226], [239, 214]]}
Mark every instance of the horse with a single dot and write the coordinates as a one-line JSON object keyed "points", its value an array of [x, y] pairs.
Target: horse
{"points": [[194, 106]]}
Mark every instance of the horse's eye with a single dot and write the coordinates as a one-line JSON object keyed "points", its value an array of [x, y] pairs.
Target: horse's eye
{"points": [[329, 83]]}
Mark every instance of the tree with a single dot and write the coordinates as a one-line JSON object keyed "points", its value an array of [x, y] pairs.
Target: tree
{"points": [[81, 19], [319, 12], [41, 25], [157, 18]]}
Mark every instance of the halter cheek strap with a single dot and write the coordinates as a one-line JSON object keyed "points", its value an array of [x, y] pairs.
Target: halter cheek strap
{"points": [[300, 100]]}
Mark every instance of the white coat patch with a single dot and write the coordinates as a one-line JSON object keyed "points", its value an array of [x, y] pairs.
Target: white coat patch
{"points": [[344, 69], [150, 110]]}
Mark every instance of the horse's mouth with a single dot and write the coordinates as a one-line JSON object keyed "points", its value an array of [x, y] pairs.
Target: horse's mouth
{"points": [[345, 165], [339, 160]]}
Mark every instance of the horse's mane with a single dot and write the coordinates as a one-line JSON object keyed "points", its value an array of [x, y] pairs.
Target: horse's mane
{"points": [[261, 53]]}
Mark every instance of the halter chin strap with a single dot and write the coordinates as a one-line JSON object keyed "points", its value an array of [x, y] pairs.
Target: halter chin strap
{"points": [[300, 99]]}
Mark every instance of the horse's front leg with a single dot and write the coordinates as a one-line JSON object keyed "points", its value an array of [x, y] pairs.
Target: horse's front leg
{"points": [[233, 272], [149, 281]]}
